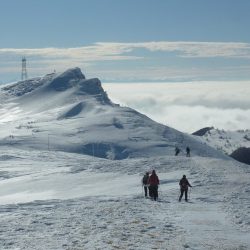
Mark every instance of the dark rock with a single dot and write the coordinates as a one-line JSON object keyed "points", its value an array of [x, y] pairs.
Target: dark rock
{"points": [[242, 155], [202, 131]]}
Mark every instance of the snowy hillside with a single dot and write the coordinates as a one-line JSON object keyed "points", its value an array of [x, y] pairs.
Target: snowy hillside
{"points": [[56, 200], [226, 141], [71, 166], [67, 112]]}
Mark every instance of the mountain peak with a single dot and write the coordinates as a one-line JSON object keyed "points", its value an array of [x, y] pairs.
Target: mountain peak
{"points": [[202, 131], [67, 79], [73, 73]]}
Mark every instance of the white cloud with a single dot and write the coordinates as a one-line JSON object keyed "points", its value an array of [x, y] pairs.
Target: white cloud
{"points": [[188, 106], [97, 57], [117, 51], [186, 49], [96, 52]]}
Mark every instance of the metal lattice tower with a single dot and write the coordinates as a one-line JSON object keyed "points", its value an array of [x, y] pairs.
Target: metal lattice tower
{"points": [[24, 69]]}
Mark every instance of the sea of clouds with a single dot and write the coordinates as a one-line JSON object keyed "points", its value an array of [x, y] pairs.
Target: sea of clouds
{"points": [[188, 106]]}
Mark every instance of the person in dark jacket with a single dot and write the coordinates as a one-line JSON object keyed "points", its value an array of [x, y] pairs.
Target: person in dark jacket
{"points": [[188, 151], [184, 184], [153, 183], [177, 151], [145, 183]]}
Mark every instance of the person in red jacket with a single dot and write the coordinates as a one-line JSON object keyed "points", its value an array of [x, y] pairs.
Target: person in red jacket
{"points": [[153, 183]]}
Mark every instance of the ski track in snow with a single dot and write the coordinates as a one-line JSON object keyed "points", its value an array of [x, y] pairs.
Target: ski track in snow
{"points": [[217, 216]]}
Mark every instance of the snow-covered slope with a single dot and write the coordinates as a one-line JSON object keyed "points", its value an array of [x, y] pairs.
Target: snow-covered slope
{"points": [[57, 200], [61, 189], [68, 112], [226, 141]]}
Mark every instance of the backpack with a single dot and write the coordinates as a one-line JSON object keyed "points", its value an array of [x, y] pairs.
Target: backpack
{"points": [[184, 183]]}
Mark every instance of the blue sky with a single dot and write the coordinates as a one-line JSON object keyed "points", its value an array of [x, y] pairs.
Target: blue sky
{"points": [[129, 40]]}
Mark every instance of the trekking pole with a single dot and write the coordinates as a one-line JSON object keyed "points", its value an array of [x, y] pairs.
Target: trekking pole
{"points": [[179, 194], [159, 191], [190, 193]]}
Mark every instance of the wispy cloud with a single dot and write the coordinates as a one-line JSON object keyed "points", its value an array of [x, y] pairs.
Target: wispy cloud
{"points": [[118, 51], [204, 49], [96, 52], [135, 61], [188, 49]]}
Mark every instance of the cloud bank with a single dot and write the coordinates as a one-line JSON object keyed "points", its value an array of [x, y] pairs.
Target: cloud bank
{"points": [[188, 106], [153, 61], [116, 51]]}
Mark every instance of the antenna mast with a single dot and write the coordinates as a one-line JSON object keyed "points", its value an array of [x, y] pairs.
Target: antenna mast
{"points": [[24, 75]]}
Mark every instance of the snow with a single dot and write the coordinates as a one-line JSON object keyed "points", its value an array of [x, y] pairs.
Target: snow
{"points": [[60, 187], [227, 141]]}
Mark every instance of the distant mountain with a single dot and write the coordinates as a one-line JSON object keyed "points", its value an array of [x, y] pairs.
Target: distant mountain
{"points": [[67, 112], [233, 143], [226, 141]]}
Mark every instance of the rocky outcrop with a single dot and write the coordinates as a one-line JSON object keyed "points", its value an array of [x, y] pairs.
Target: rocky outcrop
{"points": [[242, 155]]}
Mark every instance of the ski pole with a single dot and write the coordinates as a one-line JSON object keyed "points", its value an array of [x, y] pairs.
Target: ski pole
{"points": [[159, 191], [179, 194], [190, 193]]}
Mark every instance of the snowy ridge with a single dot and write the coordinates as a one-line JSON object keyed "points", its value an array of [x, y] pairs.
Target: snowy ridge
{"points": [[71, 166], [67, 112], [226, 141]]}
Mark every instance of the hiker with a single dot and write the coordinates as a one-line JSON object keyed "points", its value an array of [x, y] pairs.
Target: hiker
{"points": [[145, 183], [153, 182], [188, 151], [177, 151], [184, 184]]}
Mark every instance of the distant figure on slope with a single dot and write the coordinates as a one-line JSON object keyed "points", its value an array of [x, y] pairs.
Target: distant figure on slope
{"points": [[145, 183], [177, 151], [188, 151], [184, 184], [153, 182]]}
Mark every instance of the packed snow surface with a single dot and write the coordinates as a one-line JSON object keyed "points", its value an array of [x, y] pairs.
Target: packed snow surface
{"points": [[71, 166]]}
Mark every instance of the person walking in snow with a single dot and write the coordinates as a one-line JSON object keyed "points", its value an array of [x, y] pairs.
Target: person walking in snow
{"points": [[153, 183], [177, 151], [145, 183], [188, 151], [184, 184]]}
